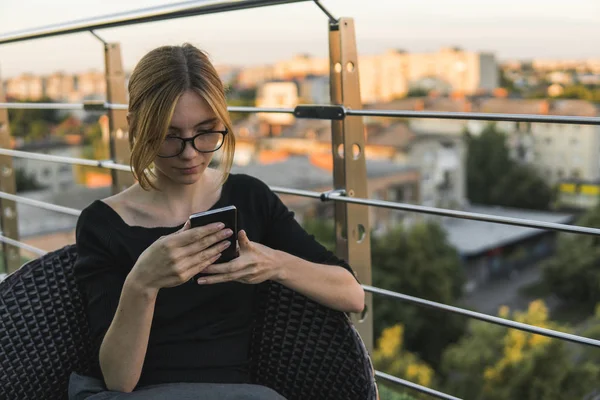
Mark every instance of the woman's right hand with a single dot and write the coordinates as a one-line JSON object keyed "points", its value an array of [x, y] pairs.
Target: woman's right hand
{"points": [[174, 259]]}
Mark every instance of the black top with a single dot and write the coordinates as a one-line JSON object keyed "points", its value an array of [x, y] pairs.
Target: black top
{"points": [[199, 333]]}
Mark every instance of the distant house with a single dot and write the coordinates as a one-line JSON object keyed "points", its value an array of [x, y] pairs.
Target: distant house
{"points": [[56, 177], [491, 250], [386, 181]]}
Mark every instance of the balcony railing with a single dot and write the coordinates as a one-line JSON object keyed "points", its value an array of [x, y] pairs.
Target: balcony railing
{"points": [[346, 131]]}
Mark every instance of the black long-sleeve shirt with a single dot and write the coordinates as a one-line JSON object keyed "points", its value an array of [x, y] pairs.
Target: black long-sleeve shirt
{"points": [[199, 333]]}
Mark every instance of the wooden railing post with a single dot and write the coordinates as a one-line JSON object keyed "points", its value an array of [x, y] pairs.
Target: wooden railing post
{"points": [[353, 241], [116, 94]]}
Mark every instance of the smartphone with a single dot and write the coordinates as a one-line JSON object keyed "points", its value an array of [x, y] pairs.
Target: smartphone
{"points": [[226, 215]]}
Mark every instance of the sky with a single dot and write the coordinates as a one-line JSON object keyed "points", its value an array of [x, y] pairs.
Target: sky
{"points": [[512, 29]]}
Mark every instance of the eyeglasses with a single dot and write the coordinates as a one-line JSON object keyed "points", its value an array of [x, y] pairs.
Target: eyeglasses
{"points": [[203, 142]]}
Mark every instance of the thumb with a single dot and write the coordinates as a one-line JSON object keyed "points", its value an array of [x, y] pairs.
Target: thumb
{"points": [[243, 239]]}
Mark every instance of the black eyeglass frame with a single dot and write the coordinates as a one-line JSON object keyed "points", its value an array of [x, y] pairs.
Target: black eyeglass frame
{"points": [[193, 138]]}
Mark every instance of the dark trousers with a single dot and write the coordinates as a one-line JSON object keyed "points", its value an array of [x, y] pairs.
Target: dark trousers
{"points": [[88, 388]]}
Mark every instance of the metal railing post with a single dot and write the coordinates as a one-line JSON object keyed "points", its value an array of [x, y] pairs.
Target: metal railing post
{"points": [[119, 131], [353, 241], [8, 209]]}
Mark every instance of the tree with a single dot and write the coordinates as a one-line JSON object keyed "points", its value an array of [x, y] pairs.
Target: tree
{"points": [[391, 358], [22, 121], [241, 98], [38, 130], [522, 187], [418, 262], [92, 133], [592, 331], [573, 274], [494, 179], [497, 363], [577, 92], [506, 82], [323, 230], [98, 150], [386, 393]]}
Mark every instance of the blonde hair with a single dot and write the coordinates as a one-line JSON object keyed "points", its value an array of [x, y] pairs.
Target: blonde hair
{"points": [[157, 82]]}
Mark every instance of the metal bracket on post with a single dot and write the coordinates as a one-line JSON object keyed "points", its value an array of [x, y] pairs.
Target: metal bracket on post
{"points": [[325, 196], [353, 241], [331, 112], [115, 94], [8, 209]]}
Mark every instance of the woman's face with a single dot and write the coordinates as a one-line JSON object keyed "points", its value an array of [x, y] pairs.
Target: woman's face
{"points": [[191, 117]]}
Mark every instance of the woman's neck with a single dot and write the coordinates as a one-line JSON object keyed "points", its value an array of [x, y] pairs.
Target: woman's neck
{"points": [[187, 199]]}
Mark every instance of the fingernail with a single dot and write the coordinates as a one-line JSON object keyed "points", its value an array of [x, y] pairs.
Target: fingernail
{"points": [[220, 225], [201, 281], [226, 244]]}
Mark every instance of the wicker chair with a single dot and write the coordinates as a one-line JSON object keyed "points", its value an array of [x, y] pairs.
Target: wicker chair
{"points": [[299, 348]]}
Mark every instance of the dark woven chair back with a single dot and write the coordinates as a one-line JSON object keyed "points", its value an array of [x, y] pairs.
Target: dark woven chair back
{"points": [[299, 348]]}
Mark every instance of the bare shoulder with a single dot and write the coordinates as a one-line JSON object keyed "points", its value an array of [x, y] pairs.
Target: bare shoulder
{"points": [[124, 202]]}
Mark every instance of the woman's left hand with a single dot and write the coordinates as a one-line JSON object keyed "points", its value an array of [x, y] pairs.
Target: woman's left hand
{"points": [[255, 264]]}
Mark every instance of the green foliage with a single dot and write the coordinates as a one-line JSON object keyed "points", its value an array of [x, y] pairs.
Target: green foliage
{"points": [[494, 179], [391, 358], [98, 150], [388, 393], [241, 98], [3, 267], [496, 363], [592, 331], [580, 92], [93, 133], [417, 92], [506, 82], [573, 273], [418, 262], [323, 231], [32, 124], [522, 187]]}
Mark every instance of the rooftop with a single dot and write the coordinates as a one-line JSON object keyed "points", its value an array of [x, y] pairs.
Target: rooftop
{"points": [[299, 172], [473, 237]]}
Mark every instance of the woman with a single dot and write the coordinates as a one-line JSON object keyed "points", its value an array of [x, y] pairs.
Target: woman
{"points": [[162, 334]]}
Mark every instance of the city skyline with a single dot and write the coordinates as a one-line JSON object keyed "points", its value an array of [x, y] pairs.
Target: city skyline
{"points": [[540, 30]]}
